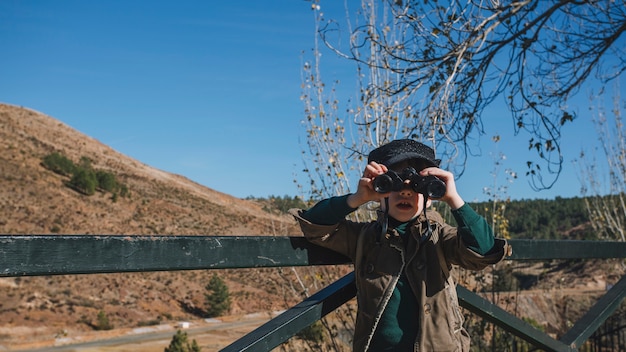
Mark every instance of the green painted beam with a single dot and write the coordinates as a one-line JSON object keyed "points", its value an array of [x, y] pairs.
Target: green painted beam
{"points": [[596, 315], [88, 254], [283, 327], [508, 322], [566, 249], [30, 255]]}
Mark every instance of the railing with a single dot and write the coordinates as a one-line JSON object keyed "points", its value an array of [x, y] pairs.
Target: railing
{"points": [[25, 255]]}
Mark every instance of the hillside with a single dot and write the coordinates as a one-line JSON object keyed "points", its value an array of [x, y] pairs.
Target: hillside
{"points": [[34, 200], [39, 311]]}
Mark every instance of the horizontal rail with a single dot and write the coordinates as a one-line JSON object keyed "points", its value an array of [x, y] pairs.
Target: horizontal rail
{"points": [[566, 249], [87, 254], [31, 255]]}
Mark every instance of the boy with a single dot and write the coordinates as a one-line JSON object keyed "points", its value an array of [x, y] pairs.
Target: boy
{"points": [[405, 294]]}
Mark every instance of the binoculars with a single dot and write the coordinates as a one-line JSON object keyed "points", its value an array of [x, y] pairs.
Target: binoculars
{"points": [[391, 181]]}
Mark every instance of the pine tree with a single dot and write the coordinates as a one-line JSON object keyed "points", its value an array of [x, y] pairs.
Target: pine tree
{"points": [[218, 299], [180, 343], [103, 322]]}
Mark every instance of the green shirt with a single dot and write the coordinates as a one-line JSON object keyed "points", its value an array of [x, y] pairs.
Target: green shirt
{"points": [[398, 325]]}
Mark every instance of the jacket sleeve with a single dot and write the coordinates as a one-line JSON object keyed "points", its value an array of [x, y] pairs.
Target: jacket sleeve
{"points": [[474, 229], [340, 237], [472, 245], [329, 211]]}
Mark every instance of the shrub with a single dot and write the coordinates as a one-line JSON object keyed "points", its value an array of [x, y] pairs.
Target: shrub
{"points": [[84, 181], [84, 178], [180, 343], [218, 299], [59, 164], [124, 191], [106, 181], [103, 322]]}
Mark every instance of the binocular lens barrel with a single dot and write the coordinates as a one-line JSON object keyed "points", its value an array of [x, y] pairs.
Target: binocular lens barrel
{"points": [[383, 184], [391, 181]]}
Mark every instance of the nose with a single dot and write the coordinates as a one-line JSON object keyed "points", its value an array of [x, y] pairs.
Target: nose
{"points": [[406, 191]]}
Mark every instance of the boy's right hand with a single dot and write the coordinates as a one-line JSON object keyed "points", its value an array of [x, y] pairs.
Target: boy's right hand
{"points": [[365, 190]]}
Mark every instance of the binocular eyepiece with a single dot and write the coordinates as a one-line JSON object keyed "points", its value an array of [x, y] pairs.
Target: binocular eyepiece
{"points": [[430, 186]]}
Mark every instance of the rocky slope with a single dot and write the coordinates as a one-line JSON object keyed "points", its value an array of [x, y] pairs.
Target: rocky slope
{"points": [[34, 200]]}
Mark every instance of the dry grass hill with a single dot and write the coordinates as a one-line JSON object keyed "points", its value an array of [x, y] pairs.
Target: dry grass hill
{"points": [[34, 200], [35, 311]]}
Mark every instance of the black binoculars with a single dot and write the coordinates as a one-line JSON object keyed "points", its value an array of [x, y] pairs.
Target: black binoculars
{"points": [[430, 186]]}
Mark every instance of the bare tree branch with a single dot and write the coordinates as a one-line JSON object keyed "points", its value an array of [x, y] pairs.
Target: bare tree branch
{"points": [[428, 72]]}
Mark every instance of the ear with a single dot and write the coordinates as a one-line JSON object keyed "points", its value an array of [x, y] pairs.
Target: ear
{"points": [[429, 202]]}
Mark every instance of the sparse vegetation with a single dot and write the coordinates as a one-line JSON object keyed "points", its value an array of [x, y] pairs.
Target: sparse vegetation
{"points": [[35, 201], [152, 322], [58, 163], [84, 180], [560, 218], [83, 177], [277, 204], [218, 299], [102, 322], [180, 343]]}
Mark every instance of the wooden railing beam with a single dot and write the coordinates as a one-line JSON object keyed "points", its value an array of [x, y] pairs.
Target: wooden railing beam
{"points": [[508, 322], [596, 315], [289, 323], [32, 255]]}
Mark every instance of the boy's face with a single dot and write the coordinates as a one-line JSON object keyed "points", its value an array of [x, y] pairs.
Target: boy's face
{"points": [[406, 204]]}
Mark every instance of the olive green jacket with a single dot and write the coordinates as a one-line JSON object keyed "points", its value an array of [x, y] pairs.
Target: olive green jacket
{"points": [[379, 261]]}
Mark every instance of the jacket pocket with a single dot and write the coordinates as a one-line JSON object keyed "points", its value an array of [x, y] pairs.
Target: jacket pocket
{"points": [[442, 327], [456, 316]]}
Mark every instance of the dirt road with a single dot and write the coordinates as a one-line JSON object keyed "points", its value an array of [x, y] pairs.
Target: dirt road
{"points": [[211, 335]]}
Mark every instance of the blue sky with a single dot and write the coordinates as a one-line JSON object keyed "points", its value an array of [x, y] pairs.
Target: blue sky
{"points": [[208, 90]]}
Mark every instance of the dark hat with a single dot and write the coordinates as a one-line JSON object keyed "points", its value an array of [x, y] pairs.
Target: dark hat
{"points": [[401, 150]]}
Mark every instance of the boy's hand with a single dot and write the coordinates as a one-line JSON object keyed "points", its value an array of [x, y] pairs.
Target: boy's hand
{"points": [[452, 197], [365, 190]]}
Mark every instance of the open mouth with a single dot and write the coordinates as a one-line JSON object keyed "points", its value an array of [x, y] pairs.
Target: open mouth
{"points": [[404, 205]]}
